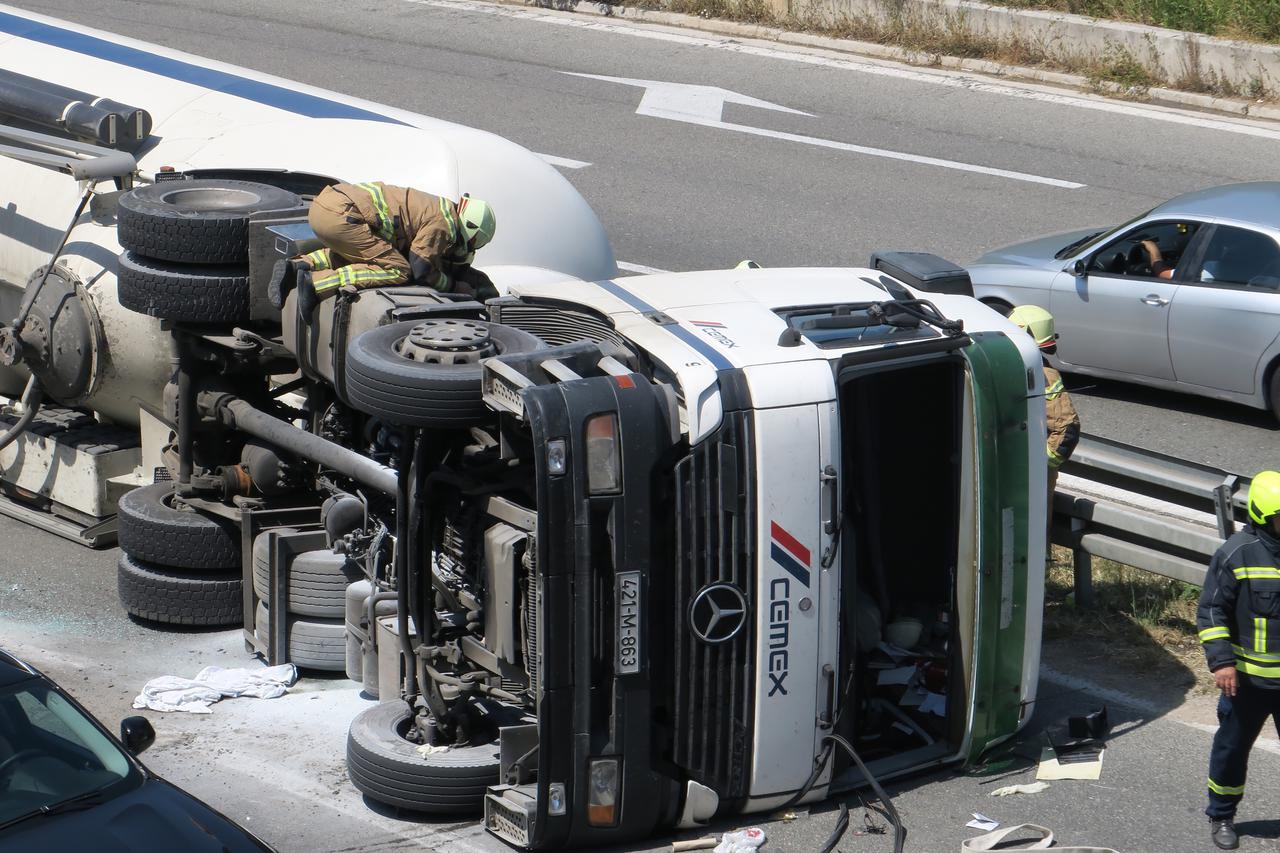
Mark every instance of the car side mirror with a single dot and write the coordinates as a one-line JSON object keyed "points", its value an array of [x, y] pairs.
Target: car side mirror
{"points": [[137, 734], [1078, 268]]}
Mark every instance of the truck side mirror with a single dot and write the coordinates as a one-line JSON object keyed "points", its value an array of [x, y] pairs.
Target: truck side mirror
{"points": [[137, 734]]}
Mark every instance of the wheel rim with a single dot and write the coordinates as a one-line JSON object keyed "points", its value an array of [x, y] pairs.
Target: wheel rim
{"points": [[447, 342], [203, 198]]}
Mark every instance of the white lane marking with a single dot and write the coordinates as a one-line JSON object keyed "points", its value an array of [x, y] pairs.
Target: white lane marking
{"points": [[952, 79], [1151, 709], [703, 106], [563, 162], [640, 269]]}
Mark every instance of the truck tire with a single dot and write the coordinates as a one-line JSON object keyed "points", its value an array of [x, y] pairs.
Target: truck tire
{"points": [[175, 291], [159, 594], [196, 222], [313, 643], [383, 382], [389, 769], [153, 530], [318, 582]]}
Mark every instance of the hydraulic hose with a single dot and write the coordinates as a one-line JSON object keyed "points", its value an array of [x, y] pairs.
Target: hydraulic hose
{"points": [[32, 396], [244, 417]]}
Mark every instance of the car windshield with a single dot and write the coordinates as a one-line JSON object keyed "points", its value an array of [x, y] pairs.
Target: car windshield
{"points": [[1088, 241], [51, 754]]}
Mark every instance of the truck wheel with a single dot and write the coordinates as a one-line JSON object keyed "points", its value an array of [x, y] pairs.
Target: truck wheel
{"points": [[317, 582], [151, 528], [196, 222], [386, 767], [160, 594], [313, 643], [427, 373], [175, 291]]}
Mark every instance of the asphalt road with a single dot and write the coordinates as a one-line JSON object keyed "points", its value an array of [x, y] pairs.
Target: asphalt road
{"points": [[680, 195], [839, 176]]}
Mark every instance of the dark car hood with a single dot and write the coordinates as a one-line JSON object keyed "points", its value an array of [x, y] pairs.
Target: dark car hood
{"points": [[1035, 253], [151, 818]]}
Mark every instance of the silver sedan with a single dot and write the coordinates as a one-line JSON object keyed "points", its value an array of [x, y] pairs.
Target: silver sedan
{"points": [[1185, 296]]}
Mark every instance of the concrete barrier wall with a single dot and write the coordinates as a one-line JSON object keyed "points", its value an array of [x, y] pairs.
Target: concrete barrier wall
{"points": [[1184, 59]]}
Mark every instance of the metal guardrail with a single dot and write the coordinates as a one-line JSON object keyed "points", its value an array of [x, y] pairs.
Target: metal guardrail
{"points": [[1144, 509]]}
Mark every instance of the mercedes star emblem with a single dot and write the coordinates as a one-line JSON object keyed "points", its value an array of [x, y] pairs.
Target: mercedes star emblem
{"points": [[718, 613]]}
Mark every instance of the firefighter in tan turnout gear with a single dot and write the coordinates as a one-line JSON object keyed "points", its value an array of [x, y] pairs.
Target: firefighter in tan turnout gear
{"points": [[1061, 417], [377, 235], [1239, 620]]}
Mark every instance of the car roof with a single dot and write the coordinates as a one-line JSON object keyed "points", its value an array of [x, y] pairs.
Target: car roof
{"points": [[1257, 202], [13, 670]]}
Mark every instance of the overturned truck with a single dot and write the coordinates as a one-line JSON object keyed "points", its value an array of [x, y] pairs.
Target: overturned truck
{"points": [[616, 554]]}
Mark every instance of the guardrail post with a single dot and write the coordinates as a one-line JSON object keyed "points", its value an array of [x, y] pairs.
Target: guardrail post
{"points": [[1082, 566], [1222, 507]]}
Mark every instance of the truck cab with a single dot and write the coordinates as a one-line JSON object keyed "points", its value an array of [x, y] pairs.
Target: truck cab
{"points": [[824, 527]]}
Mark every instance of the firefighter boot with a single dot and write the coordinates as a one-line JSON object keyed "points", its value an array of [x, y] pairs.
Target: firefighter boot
{"points": [[308, 299], [1223, 834], [284, 275]]}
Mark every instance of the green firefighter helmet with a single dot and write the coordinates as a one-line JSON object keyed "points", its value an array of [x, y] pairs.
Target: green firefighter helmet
{"points": [[1264, 496], [478, 222], [1036, 322]]}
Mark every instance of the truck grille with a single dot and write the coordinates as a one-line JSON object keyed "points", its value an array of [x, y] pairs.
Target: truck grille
{"points": [[556, 323], [715, 544]]}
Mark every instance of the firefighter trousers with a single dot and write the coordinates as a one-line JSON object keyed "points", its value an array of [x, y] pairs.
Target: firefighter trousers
{"points": [[1240, 720], [355, 254]]}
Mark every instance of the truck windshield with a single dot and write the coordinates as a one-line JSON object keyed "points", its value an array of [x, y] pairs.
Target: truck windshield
{"points": [[51, 754], [850, 325]]}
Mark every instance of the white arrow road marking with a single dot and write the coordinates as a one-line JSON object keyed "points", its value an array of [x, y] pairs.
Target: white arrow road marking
{"points": [[563, 162], [703, 105], [640, 269], [819, 57]]}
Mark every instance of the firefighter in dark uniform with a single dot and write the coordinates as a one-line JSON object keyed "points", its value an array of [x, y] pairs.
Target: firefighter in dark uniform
{"points": [[379, 235], [1238, 619]]}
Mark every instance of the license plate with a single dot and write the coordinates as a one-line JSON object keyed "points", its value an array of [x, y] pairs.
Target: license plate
{"points": [[628, 610]]}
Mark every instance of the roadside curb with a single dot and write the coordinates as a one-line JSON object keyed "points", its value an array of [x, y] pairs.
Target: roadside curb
{"points": [[1159, 96]]}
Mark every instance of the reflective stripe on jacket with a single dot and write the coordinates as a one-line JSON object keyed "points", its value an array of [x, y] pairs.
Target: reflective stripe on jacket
{"points": [[1239, 613]]}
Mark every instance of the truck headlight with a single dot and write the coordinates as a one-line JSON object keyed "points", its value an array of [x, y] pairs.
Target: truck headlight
{"points": [[602, 794], [604, 467]]}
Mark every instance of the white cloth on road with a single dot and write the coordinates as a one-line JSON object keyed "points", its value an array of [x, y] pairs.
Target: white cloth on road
{"points": [[1000, 839], [742, 841], [213, 683]]}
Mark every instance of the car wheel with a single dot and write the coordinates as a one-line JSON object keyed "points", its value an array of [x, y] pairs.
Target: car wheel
{"points": [[196, 222], [161, 594], [427, 373], [999, 306], [385, 766], [318, 580], [183, 292], [313, 643], [152, 529]]}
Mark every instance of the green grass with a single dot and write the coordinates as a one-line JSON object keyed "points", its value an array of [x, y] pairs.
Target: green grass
{"points": [[1140, 617], [1253, 20]]}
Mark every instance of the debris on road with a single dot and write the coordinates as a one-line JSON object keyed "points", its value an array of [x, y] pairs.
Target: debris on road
{"points": [[212, 684], [1029, 788], [981, 821], [1079, 767], [742, 841]]}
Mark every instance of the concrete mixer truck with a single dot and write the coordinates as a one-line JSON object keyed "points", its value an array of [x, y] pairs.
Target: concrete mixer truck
{"points": [[617, 554]]}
